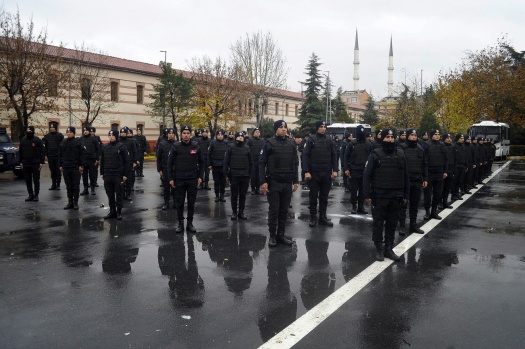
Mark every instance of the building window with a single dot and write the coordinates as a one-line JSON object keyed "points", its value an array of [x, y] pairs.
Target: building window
{"points": [[354, 99], [286, 110], [114, 126], [140, 94], [52, 85], [296, 110], [276, 108], [114, 91], [86, 88]]}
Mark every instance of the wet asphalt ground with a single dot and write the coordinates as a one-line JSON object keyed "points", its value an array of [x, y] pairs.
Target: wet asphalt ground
{"points": [[69, 279]]}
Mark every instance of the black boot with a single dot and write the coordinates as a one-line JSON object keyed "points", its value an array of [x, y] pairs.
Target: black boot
{"points": [[85, 191], [216, 198], [75, 204], [434, 215], [119, 213], [427, 215], [414, 229], [354, 209], [35, 198], [446, 204], [380, 253], [389, 253], [166, 206], [221, 197], [234, 216], [272, 241], [242, 216], [180, 227], [285, 240], [93, 191], [323, 220], [206, 186], [402, 227], [112, 213], [313, 220], [361, 210], [30, 197], [69, 205], [58, 186], [189, 227]]}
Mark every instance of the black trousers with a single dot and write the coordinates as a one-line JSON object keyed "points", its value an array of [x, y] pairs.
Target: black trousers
{"points": [[254, 178], [467, 183], [206, 178], [459, 180], [168, 190], [54, 168], [279, 198], [113, 186], [448, 183], [413, 202], [320, 185], [356, 190], [385, 212], [90, 172], [475, 173], [239, 188], [72, 181], [183, 188], [140, 166], [219, 180], [130, 182], [432, 193], [32, 176], [481, 173]]}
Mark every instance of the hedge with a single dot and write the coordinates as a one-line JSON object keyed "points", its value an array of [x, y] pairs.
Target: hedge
{"points": [[517, 150]]}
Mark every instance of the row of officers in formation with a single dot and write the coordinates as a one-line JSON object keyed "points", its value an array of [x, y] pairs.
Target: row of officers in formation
{"points": [[387, 172]]}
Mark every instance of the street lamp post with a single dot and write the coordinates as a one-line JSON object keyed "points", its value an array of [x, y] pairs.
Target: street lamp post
{"points": [[328, 97], [164, 96]]}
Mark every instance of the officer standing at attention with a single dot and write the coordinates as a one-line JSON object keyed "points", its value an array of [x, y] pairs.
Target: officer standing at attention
{"points": [[278, 166], [143, 151], [71, 153], [320, 167], [356, 155], [448, 182], [344, 144], [93, 132], [386, 187], [90, 159], [216, 153], [32, 159], [185, 171], [114, 169], [255, 145], [377, 141], [402, 137], [163, 153], [416, 161], [469, 153], [137, 159], [437, 172], [133, 160], [204, 143], [461, 166], [229, 140], [237, 167], [52, 144]]}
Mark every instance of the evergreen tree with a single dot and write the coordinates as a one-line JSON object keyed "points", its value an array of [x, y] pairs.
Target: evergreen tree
{"points": [[370, 116], [312, 108], [339, 108]]}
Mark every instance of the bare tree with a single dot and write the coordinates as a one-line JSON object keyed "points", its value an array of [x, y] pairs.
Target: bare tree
{"points": [[263, 67], [31, 76], [220, 95], [92, 92]]}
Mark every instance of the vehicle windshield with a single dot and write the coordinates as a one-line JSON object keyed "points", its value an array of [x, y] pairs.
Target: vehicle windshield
{"points": [[4, 138], [493, 132]]}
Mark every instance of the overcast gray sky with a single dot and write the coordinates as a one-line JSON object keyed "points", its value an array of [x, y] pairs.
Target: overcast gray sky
{"points": [[427, 35]]}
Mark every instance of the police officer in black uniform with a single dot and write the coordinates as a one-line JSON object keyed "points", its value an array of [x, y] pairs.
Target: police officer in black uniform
{"points": [[437, 171], [32, 159], [71, 153], [469, 153], [344, 144], [90, 159], [237, 167], [143, 145], [115, 168], [216, 153], [52, 144], [204, 143], [163, 153], [230, 139], [131, 146], [255, 145], [137, 157], [185, 171], [377, 140], [402, 138], [278, 166], [461, 166], [93, 132], [320, 167], [356, 155], [386, 187], [482, 159], [448, 182], [417, 166]]}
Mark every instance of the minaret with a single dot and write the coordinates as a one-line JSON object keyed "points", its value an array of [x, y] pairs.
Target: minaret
{"points": [[356, 63], [390, 70]]}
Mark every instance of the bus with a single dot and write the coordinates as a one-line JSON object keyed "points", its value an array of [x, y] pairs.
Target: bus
{"points": [[498, 131], [339, 129]]}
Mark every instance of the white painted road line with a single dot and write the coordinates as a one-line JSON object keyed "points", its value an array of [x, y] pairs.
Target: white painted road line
{"points": [[297, 330]]}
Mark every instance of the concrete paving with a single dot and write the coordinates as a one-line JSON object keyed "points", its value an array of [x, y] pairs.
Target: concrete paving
{"points": [[71, 279]]}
